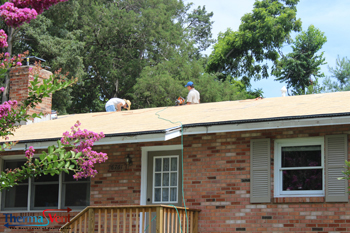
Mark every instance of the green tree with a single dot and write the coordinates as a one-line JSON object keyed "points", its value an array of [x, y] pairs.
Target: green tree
{"points": [[301, 69], [148, 33], [198, 25], [244, 53], [111, 42], [118, 45], [54, 37], [342, 75], [161, 85]]}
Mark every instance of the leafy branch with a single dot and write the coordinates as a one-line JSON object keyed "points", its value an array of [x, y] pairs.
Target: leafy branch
{"points": [[72, 153]]}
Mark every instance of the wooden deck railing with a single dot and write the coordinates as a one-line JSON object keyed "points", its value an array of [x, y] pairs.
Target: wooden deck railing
{"points": [[133, 219]]}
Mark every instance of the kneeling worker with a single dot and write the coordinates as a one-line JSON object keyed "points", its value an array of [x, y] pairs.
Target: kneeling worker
{"points": [[116, 104], [193, 96]]}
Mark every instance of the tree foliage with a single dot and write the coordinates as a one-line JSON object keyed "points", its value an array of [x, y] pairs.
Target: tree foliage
{"points": [[301, 69], [341, 74], [161, 85], [245, 53], [113, 45]]}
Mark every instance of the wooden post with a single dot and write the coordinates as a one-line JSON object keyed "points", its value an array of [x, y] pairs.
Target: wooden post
{"points": [[85, 222], [191, 222], [105, 220], [124, 220], [143, 219], [195, 222], [137, 220], [111, 229], [160, 220], [91, 220], [168, 212], [184, 221], [130, 220], [149, 219], [99, 221]]}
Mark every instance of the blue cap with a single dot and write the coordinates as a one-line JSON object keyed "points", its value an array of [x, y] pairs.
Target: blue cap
{"points": [[190, 83]]}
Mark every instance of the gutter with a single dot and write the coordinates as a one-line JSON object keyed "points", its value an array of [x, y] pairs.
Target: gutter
{"points": [[235, 122]]}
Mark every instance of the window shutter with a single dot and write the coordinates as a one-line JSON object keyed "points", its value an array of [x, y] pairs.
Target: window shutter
{"points": [[336, 154], [260, 171]]}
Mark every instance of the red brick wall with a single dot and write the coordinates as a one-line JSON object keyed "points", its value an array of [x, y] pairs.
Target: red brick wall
{"points": [[216, 180], [20, 80]]}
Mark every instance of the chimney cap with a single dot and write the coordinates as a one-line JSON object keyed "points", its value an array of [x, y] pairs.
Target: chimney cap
{"points": [[32, 59]]}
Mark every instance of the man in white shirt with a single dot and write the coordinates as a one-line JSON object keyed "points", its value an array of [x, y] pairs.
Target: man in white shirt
{"points": [[116, 104], [193, 96]]}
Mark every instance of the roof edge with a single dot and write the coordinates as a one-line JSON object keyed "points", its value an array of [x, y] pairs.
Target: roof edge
{"points": [[208, 124], [106, 135], [267, 119]]}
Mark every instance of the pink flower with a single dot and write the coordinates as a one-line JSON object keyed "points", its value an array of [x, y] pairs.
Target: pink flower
{"points": [[2, 89], [6, 107], [18, 64], [84, 145], [15, 17], [7, 54], [38, 5], [30, 152], [3, 39]]}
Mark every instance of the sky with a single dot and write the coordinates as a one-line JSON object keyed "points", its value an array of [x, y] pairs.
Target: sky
{"points": [[331, 17]]}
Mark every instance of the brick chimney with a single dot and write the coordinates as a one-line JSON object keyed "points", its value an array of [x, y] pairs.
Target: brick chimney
{"points": [[19, 81]]}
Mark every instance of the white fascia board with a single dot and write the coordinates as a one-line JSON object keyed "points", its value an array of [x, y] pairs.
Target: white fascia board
{"points": [[172, 133], [176, 132], [283, 124], [103, 141]]}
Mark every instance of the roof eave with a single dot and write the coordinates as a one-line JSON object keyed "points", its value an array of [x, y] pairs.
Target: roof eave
{"points": [[209, 127]]}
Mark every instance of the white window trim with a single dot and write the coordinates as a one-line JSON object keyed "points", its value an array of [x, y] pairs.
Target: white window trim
{"points": [[30, 183], [144, 159], [161, 172], [279, 143]]}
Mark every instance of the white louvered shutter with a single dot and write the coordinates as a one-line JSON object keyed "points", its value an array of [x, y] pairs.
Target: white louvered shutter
{"points": [[336, 154], [260, 188]]}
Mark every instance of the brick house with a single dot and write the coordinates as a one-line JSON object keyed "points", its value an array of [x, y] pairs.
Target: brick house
{"points": [[267, 165]]}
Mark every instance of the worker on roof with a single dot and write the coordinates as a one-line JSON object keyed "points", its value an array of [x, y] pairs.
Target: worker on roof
{"points": [[116, 104], [193, 96]]}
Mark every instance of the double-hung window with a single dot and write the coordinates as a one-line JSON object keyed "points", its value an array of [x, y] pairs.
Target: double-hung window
{"points": [[299, 167], [42, 192]]}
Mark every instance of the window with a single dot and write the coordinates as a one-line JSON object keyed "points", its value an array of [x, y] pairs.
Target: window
{"points": [[42, 192], [299, 167], [165, 179], [76, 193], [45, 191], [16, 197]]}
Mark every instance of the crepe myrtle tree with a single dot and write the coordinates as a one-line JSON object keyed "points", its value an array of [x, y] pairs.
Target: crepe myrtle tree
{"points": [[73, 153], [15, 13]]}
